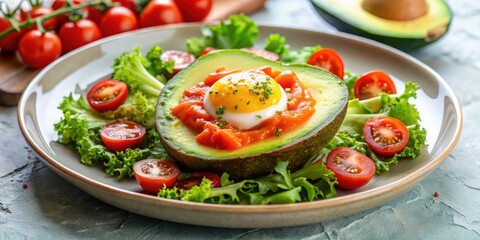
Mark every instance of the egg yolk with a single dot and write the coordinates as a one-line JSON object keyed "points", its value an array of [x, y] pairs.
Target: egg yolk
{"points": [[244, 92]]}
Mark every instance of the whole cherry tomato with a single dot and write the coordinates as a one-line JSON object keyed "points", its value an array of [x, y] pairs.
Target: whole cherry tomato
{"points": [[373, 83], [118, 20], [194, 10], [107, 95], [92, 13], [122, 134], [37, 50], [38, 11], [329, 60], [160, 12], [130, 4], [155, 174], [57, 4], [351, 168], [10, 42], [386, 135], [77, 34]]}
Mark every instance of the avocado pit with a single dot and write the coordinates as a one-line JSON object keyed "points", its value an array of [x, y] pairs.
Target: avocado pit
{"points": [[396, 10]]}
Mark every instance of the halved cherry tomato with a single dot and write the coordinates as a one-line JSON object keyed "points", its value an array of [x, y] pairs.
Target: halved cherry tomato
{"points": [[352, 169], [10, 42], [373, 83], [160, 12], [122, 134], [194, 10], [263, 53], [77, 34], [328, 59], [180, 58], [38, 11], [155, 174], [107, 95], [386, 135], [37, 49], [117, 20], [197, 178]]}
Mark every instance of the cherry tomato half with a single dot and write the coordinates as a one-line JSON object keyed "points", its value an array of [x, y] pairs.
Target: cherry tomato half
{"points": [[49, 24], [107, 95], [153, 174], [328, 59], [10, 42], [122, 134], [117, 20], [386, 135], [194, 10], [160, 12], [37, 50], [263, 53], [197, 178], [180, 58], [77, 34], [373, 83], [352, 169]]}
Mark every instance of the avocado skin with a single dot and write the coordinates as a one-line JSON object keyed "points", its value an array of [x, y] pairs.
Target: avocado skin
{"points": [[403, 44], [296, 153]]}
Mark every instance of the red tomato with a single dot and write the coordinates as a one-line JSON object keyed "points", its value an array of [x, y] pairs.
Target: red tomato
{"points": [[160, 12], [130, 4], [373, 83], [197, 178], [328, 59], [263, 53], [57, 4], [352, 169], [49, 24], [94, 14], [122, 134], [194, 10], [37, 50], [155, 174], [117, 20], [386, 135], [107, 95], [207, 51], [10, 42], [180, 58], [77, 34]]}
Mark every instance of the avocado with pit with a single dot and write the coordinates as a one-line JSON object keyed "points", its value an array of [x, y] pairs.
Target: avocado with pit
{"points": [[260, 158], [404, 24]]}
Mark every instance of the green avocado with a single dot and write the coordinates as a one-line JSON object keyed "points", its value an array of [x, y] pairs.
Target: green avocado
{"points": [[407, 35], [259, 158]]}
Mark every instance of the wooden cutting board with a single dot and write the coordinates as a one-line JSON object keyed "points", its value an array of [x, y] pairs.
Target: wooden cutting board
{"points": [[15, 77]]}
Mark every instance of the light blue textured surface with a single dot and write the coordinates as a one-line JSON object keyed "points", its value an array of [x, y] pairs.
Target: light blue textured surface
{"points": [[50, 208]]}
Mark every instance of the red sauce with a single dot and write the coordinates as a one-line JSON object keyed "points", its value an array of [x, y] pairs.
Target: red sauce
{"points": [[213, 133]]}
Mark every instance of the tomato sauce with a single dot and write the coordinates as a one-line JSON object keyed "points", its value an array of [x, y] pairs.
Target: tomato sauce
{"points": [[214, 133]]}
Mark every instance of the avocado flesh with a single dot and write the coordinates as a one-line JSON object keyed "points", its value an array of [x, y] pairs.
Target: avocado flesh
{"points": [[349, 16], [259, 158]]}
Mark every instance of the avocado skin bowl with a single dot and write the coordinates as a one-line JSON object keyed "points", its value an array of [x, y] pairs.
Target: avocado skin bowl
{"points": [[401, 39], [256, 159]]}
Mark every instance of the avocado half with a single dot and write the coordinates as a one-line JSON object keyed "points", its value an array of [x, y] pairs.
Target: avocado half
{"points": [[260, 158], [349, 16]]}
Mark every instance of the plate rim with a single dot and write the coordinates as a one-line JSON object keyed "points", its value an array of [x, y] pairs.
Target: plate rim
{"points": [[408, 180]]}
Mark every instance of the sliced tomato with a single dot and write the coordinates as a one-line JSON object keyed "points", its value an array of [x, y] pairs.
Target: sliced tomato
{"points": [[207, 50], [352, 169], [107, 95], [386, 135], [181, 59], [122, 134], [155, 174], [263, 53], [197, 178], [373, 83], [329, 60]]}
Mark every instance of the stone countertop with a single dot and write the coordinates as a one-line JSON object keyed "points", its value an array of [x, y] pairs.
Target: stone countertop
{"points": [[35, 203]]}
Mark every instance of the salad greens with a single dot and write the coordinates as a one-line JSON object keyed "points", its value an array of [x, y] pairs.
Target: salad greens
{"points": [[145, 77]]}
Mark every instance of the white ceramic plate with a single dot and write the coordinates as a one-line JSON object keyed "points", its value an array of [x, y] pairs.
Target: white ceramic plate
{"points": [[37, 112]]}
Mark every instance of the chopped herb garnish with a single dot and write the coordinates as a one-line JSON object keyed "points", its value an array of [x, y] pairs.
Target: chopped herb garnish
{"points": [[277, 132], [221, 123], [258, 116], [236, 107], [248, 103], [220, 110]]}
